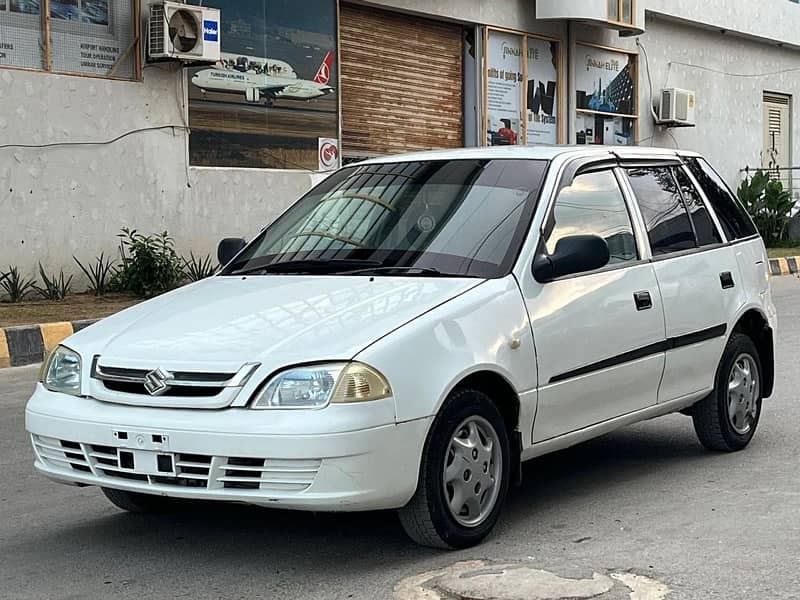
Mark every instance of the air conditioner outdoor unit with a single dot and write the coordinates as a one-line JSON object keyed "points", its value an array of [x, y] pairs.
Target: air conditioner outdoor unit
{"points": [[187, 33], [677, 107]]}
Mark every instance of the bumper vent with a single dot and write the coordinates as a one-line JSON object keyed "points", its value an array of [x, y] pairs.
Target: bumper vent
{"points": [[191, 470]]}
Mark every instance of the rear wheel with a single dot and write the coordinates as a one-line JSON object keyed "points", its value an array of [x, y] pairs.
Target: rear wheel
{"points": [[463, 477], [726, 420], [138, 503]]}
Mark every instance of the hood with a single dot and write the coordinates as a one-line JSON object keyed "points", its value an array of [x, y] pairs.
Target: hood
{"points": [[224, 322]]}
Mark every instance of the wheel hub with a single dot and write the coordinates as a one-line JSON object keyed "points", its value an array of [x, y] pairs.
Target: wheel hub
{"points": [[743, 391], [472, 471]]}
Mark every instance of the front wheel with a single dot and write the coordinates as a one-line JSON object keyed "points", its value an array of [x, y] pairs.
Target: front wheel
{"points": [[726, 419], [464, 474]]}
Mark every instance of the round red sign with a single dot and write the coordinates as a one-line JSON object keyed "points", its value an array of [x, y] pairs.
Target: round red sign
{"points": [[328, 155]]}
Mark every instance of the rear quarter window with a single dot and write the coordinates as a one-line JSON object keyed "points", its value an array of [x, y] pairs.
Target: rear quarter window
{"points": [[735, 221]]}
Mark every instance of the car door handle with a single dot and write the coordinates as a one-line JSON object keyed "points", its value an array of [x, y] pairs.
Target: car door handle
{"points": [[643, 300], [726, 279]]}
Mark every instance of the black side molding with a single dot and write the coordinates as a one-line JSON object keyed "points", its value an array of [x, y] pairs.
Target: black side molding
{"points": [[664, 346]]}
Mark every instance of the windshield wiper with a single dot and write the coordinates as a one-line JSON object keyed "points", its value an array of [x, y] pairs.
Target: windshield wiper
{"points": [[315, 265], [431, 271]]}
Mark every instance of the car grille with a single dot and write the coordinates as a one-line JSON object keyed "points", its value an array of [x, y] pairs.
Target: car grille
{"points": [[161, 387], [191, 470], [131, 381]]}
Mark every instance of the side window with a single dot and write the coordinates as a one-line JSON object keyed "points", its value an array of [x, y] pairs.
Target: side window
{"points": [[665, 216], [734, 219], [704, 227], [593, 205]]}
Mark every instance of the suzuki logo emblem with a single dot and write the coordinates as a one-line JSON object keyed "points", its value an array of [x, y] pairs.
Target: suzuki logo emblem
{"points": [[155, 382]]}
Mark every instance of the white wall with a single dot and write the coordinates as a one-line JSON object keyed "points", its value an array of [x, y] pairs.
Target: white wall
{"points": [[729, 107], [59, 201], [772, 21]]}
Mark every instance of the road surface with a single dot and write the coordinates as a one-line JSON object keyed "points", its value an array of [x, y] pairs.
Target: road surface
{"points": [[647, 498]]}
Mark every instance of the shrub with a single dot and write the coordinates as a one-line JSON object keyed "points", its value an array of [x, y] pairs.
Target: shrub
{"points": [[149, 264], [98, 272], [196, 268], [56, 287], [15, 285], [769, 205]]}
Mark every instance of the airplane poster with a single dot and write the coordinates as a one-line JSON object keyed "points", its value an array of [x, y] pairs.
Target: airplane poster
{"points": [[275, 91]]}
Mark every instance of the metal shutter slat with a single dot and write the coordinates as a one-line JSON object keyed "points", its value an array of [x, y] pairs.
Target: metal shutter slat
{"points": [[401, 83]]}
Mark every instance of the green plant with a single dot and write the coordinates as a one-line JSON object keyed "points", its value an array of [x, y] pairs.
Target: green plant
{"points": [[15, 285], [56, 287], [769, 205], [149, 264], [197, 268], [98, 272]]}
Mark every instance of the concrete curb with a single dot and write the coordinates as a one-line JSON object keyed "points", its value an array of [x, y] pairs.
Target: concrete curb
{"points": [[29, 344], [784, 266]]}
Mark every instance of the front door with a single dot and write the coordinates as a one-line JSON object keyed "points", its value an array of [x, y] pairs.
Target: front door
{"points": [[599, 335]]}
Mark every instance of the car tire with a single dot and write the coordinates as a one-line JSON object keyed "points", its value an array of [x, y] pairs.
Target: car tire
{"points": [[726, 419], [466, 457], [138, 503]]}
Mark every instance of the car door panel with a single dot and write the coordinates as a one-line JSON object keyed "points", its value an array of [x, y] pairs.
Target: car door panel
{"points": [[600, 353], [696, 304], [598, 356]]}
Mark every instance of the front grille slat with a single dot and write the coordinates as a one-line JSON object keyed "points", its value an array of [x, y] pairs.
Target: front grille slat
{"points": [[182, 384], [191, 470], [192, 476], [176, 391], [271, 469], [192, 465]]}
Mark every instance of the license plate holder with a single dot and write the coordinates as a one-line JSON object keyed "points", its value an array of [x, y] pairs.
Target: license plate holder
{"points": [[145, 462]]}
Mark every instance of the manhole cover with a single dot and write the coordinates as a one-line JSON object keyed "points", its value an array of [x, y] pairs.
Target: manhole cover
{"points": [[484, 580]]}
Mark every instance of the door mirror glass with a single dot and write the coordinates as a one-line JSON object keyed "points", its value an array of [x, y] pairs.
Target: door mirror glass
{"points": [[573, 254], [228, 248]]}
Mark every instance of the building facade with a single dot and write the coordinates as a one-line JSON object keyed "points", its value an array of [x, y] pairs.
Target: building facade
{"points": [[94, 137]]}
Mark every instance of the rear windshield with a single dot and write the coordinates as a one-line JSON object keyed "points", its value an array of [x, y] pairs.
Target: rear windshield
{"points": [[448, 217]]}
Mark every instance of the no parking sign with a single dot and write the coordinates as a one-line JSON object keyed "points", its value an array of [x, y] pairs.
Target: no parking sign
{"points": [[328, 154]]}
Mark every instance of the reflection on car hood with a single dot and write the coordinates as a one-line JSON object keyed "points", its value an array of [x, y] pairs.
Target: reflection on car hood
{"points": [[225, 322]]}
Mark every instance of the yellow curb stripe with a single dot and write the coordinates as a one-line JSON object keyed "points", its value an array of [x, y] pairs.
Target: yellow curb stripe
{"points": [[5, 355], [54, 333], [784, 266]]}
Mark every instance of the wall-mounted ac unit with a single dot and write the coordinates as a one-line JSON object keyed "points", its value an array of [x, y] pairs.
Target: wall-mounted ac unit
{"points": [[183, 32], [677, 107]]}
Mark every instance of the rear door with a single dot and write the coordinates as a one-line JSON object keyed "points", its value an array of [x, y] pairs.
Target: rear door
{"points": [[697, 276], [599, 335], [736, 226]]}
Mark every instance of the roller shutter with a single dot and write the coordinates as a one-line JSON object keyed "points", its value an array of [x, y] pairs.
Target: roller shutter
{"points": [[402, 83]]}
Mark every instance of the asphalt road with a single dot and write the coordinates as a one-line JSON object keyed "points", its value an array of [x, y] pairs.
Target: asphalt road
{"points": [[647, 498]]}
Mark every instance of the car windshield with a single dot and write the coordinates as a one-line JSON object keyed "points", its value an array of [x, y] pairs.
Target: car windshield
{"points": [[437, 218]]}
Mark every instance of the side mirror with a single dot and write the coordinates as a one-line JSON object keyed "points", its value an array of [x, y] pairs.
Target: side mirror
{"points": [[573, 254], [228, 248]]}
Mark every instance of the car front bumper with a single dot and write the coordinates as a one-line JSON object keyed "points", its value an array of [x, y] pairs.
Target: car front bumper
{"points": [[348, 458]]}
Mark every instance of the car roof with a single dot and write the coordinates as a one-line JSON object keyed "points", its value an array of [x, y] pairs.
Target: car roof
{"points": [[533, 153]]}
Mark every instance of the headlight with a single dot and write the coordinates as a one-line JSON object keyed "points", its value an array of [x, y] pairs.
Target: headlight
{"points": [[315, 386], [62, 372]]}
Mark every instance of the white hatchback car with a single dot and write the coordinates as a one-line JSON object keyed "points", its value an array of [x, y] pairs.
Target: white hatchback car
{"points": [[415, 327]]}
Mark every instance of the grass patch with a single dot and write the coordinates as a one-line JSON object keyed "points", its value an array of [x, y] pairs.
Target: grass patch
{"points": [[76, 307], [782, 252]]}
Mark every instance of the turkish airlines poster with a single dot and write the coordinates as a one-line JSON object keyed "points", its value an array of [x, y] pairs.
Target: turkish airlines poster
{"points": [[274, 93]]}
